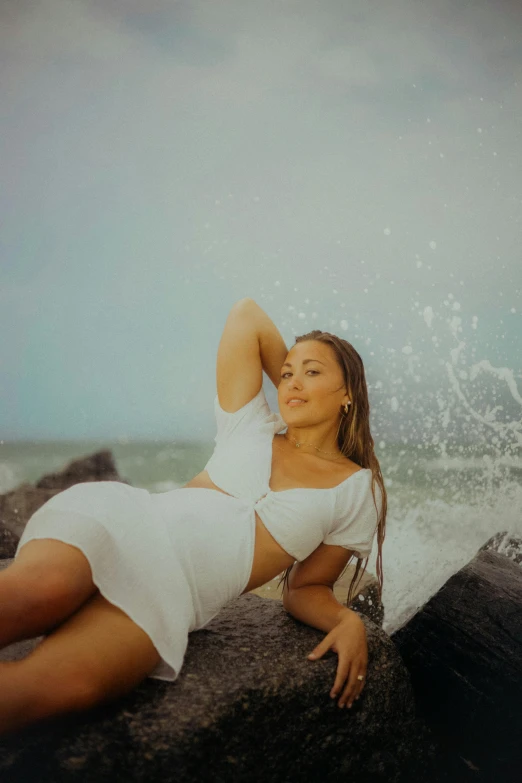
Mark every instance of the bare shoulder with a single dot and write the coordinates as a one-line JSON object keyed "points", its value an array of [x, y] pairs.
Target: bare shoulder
{"points": [[239, 371]]}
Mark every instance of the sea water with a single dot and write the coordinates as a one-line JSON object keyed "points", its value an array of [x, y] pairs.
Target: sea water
{"points": [[442, 506]]}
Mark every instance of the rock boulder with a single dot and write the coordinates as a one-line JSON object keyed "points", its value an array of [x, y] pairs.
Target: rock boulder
{"points": [[464, 654]]}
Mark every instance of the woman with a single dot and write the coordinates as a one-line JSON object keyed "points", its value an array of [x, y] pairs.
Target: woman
{"points": [[116, 577]]}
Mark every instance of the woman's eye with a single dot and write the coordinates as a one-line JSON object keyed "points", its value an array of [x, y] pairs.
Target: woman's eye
{"points": [[289, 373]]}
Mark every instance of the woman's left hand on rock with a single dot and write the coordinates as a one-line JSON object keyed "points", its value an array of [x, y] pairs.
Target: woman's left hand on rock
{"points": [[348, 640]]}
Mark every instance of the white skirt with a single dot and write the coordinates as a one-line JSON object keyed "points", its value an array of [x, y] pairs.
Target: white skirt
{"points": [[169, 560]]}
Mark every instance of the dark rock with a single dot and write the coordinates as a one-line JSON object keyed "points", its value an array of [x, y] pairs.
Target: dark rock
{"points": [[464, 653], [505, 544], [247, 706], [99, 466], [8, 542], [18, 505]]}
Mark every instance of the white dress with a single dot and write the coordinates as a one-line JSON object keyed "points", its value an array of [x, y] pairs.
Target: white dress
{"points": [[172, 560]]}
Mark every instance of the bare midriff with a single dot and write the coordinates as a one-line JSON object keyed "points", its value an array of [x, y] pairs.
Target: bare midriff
{"points": [[270, 559]]}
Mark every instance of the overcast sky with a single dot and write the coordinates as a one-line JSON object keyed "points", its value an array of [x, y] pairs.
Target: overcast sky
{"points": [[352, 167]]}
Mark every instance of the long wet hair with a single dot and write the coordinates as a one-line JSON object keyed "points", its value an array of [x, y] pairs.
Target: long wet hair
{"points": [[355, 442]]}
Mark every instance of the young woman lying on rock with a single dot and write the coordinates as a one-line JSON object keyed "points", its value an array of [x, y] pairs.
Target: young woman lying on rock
{"points": [[116, 577]]}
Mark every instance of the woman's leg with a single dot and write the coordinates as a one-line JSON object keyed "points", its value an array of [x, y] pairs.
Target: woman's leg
{"points": [[95, 656], [45, 584]]}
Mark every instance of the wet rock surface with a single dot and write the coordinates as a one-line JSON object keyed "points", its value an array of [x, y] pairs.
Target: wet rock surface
{"points": [[464, 654], [505, 544], [8, 542]]}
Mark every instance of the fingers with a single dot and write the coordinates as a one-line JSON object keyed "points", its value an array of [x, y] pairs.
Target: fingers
{"points": [[347, 674], [322, 647], [351, 664], [343, 670], [354, 686]]}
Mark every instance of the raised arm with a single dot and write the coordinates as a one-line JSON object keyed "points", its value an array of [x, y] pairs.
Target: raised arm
{"points": [[250, 343], [272, 347]]}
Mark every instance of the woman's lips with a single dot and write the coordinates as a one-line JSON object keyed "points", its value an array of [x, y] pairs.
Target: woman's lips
{"points": [[295, 403]]}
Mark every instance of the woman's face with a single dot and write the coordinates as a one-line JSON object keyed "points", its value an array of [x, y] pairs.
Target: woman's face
{"points": [[311, 373]]}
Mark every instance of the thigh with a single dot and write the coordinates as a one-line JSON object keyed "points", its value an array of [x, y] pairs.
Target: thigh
{"points": [[99, 652], [43, 560]]}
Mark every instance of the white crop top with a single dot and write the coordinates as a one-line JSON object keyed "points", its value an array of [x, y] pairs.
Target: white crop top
{"points": [[299, 519]]}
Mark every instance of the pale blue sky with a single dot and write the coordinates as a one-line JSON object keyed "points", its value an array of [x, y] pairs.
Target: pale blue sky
{"points": [[351, 167]]}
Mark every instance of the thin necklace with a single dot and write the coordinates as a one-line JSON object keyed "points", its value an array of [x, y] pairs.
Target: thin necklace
{"points": [[302, 443]]}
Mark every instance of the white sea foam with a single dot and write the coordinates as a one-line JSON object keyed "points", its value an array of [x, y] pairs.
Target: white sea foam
{"points": [[10, 476], [425, 545]]}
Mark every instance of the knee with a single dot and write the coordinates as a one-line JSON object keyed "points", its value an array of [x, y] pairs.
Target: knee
{"points": [[60, 591], [70, 691], [78, 689], [81, 691], [51, 568], [47, 594]]}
